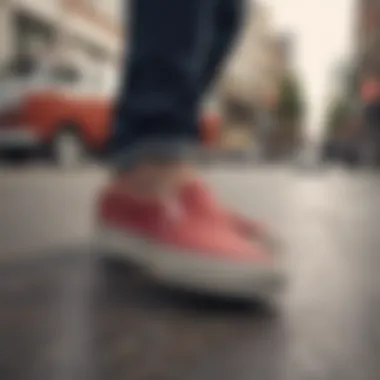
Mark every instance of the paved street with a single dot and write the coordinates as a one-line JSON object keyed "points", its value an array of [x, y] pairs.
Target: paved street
{"points": [[63, 316]]}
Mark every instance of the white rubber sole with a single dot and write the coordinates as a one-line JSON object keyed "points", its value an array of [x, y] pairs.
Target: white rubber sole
{"points": [[192, 271]]}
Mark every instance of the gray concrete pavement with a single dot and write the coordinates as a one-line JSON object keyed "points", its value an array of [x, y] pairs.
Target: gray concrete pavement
{"points": [[42, 208], [115, 325]]}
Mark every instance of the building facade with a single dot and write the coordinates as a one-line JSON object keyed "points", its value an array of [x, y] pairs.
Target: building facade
{"points": [[367, 39], [252, 70], [86, 32], [250, 81]]}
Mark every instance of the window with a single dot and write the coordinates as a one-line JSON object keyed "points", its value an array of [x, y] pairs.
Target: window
{"points": [[32, 35], [238, 111], [64, 74], [21, 67], [30, 70]]}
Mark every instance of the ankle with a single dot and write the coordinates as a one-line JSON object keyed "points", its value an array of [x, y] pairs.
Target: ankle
{"points": [[157, 180]]}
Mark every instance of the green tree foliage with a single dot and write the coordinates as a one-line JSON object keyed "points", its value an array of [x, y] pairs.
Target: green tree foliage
{"points": [[291, 105], [337, 116]]}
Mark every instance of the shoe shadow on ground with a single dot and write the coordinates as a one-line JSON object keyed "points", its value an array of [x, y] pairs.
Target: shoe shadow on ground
{"points": [[125, 281], [195, 336]]}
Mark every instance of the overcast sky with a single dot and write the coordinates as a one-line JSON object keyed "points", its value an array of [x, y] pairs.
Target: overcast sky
{"points": [[322, 31]]}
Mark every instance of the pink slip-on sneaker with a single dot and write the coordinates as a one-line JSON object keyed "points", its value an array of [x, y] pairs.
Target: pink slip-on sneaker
{"points": [[188, 241]]}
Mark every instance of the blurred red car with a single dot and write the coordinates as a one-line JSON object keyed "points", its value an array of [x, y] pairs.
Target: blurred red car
{"points": [[56, 109]]}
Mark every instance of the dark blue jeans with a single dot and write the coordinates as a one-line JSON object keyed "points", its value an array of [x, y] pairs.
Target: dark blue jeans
{"points": [[175, 50]]}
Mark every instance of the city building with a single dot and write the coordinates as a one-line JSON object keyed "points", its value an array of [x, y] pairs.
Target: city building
{"points": [[250, 81], [89, 34], [362, 75], [367, 39], [86, 32], [251, 71]]}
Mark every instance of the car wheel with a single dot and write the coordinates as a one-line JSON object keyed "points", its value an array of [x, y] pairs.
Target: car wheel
{"points": [[352, 158], [368, 154], [16, 157], [68, 149]]}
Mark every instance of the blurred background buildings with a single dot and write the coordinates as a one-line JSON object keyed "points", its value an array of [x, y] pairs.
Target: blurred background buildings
{"points": [[355, 91], [367, 35], [86, 32], [250, 86], [257, 94]]}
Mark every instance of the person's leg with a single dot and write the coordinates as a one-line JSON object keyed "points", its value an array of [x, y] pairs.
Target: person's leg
{"points": [[159, 99], [156, 117], [172, 61], [158, 214]]}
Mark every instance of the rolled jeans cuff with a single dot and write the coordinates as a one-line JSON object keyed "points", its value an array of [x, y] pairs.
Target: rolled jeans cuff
{"points": [[155, 150]]}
